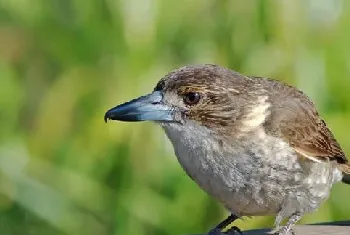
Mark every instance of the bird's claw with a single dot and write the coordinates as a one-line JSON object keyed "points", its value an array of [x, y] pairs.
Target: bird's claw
{"points": [[232, 231], [281, 231], [221, 226]]}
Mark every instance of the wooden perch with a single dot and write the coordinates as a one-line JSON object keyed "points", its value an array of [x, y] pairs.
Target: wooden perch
{"points": [[332, 228]]}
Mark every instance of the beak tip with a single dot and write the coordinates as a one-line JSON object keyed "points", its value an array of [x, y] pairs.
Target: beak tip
{"points": [[105, 118]]}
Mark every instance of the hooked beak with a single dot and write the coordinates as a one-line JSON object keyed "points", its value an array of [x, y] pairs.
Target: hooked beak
{"points": [[145, 108]]}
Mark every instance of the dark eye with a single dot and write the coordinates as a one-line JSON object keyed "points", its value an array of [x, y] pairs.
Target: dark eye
{"points": [[192, 98]]}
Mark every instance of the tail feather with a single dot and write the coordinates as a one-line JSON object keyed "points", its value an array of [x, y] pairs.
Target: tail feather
{"points": [[345, 168], [346, 179]]}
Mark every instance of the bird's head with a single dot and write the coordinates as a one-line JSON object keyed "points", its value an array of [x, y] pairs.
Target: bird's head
{"points": [[205, 95]]}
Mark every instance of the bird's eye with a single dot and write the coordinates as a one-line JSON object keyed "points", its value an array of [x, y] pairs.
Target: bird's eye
{"points": [[191, 98]]}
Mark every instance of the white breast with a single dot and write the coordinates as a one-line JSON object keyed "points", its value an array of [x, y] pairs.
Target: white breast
{"points": [[247, 179]]}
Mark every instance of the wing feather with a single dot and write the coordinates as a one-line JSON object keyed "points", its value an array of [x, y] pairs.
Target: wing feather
{"points": [[295, 119]]}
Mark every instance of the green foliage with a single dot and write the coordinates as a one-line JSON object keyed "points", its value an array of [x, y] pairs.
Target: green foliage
{"points": [[64, 63]]}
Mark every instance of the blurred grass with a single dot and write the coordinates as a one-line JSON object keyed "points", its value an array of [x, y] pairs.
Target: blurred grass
{"points": [[64, 63]]}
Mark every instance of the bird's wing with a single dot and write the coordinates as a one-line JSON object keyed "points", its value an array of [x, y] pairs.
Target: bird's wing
{"points": [[313, 140], [301, 126]]}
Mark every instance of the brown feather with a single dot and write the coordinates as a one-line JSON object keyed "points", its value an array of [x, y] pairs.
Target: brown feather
{"points": [[301, 126], [229, 98]]}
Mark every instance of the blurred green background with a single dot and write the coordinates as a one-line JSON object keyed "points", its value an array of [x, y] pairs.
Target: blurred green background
{"points": [[63, 63]]}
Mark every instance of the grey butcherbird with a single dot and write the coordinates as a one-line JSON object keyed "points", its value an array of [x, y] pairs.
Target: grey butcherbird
{"points": [[255, 144]]}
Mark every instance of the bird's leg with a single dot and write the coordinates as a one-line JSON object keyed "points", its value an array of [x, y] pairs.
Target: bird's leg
{"points": [[286, 229], [278, 221], [221, 226]]}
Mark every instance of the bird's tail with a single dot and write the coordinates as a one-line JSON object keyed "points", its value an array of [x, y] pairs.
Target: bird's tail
{"points": [[346, 179], [345, 168]]}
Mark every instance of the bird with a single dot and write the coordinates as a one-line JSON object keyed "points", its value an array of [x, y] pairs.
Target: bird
{"points": [[255, 144]]}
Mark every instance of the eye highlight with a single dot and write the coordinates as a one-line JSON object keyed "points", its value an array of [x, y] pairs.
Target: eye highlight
{"points": [[191, 98]]}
